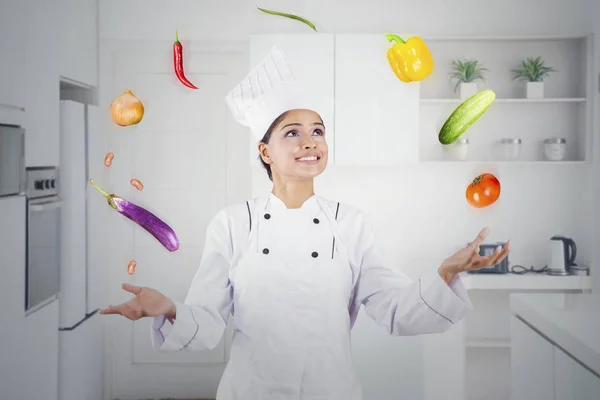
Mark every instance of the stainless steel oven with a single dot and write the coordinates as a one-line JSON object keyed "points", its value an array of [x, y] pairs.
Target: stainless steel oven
{"points": [[42, 274]]}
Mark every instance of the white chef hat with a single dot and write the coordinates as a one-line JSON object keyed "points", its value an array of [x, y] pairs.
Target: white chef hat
{"points": [[266, 92]]}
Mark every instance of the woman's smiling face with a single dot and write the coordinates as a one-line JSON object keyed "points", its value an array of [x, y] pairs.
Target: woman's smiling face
{"points": [[297, 147]]}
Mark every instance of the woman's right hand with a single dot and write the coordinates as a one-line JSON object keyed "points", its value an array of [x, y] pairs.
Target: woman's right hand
{"points": [[147, 302]]}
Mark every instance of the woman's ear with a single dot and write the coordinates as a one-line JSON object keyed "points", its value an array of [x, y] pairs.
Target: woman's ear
{"points": [[263, 150]]}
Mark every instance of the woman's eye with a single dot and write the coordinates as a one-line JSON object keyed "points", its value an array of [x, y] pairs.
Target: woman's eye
{"points": [[318, 132], [292, 133]]}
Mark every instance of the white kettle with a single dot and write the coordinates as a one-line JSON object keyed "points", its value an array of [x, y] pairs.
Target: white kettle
{"points": [[561, 255]]}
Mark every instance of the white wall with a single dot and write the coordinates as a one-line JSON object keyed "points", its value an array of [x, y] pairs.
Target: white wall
{"points": [[233, 20], [420, 212], [526, 217]]}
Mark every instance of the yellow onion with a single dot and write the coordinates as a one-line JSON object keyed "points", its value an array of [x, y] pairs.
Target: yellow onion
{"points": [[126, 109]]}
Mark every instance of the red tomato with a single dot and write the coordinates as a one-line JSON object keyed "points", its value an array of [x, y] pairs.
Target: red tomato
{"points": [[483, 191]]}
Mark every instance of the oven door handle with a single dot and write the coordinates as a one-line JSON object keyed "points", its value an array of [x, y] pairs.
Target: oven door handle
{"points": [[50, 205]]}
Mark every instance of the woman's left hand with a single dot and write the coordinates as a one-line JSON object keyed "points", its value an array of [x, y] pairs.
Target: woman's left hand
{"points": [[468, 258]]}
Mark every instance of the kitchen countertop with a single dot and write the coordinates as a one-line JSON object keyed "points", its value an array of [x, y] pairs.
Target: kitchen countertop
{"points": [[569, 320], [525, 282]]}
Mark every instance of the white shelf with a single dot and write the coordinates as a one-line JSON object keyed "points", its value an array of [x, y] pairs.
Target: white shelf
{"points": [[487, 343], [525, 282], [565, 110], [500, 38], [502, 162], [509, 100]]}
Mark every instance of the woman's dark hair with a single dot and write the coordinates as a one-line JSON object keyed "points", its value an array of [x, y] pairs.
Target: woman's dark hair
{"points": [[266, 139]]}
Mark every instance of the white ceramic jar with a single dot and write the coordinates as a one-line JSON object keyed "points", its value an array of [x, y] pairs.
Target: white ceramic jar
{"points": [[459, 149], [554, 148], [511, 148]]}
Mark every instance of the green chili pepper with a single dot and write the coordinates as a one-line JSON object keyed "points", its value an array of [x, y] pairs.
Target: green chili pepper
{"points": [[297, 18]]}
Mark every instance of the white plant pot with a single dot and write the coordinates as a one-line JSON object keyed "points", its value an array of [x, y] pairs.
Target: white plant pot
{"points": [[468, 89], [535, 90]]}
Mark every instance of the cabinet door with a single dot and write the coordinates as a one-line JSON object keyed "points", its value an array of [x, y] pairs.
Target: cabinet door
{"points": [[42, 91], [572, 381], [376, 114], [311, 58], [78, 38], [12, 76], [531, 363], [183, 145], [12, 286]]}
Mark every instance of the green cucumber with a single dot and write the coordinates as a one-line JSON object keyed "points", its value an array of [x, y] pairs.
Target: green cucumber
{"points": [[465, 115]]}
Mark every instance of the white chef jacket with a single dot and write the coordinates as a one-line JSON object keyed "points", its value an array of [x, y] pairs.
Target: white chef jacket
{"points": [[293, 281]]}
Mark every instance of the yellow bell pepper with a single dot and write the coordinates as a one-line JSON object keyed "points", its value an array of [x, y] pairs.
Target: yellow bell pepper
{"points": [[410, 60]]}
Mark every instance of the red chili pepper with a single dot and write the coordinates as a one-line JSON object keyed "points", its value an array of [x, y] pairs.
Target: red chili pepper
{"points": [[178, 62]]}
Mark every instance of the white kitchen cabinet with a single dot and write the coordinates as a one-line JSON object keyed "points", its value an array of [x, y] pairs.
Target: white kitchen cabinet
{"points": [[542, 370], [376, 114], [39, 377], [59, 39], [41, 89], [531, 363], [372, 118], [12, 287], [311, 58], [572, 381], [77, 41], [12, 17], [28, 345]]}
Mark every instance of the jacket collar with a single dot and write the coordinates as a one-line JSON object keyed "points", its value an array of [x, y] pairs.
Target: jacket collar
{"points": [[274, 203]]}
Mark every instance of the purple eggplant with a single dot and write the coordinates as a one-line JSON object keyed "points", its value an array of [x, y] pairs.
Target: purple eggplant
{"points": [[144, 218]]}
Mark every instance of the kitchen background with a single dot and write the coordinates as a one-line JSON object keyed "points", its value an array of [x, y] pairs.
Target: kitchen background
{"points": [[194, 159]]}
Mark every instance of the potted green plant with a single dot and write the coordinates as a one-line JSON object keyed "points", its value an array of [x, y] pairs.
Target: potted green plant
{"points": [[466, 72], [533, 71]]}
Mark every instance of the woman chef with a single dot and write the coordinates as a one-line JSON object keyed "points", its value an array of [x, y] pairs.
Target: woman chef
{"points": [[293, 268]]}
